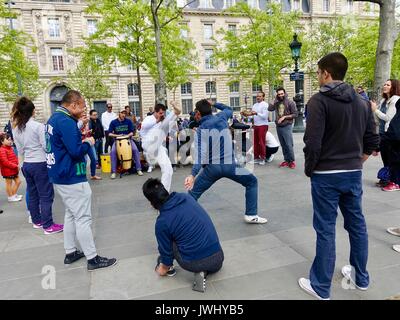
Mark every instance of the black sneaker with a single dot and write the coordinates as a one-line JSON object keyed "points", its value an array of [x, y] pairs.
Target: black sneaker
{"points": [[74, 256], [171, 272], [100, 262]]}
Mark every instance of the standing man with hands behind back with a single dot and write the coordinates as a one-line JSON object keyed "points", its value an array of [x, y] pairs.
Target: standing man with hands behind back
{"points": [[285, 112], [260, 113], [340, 135], [67, 171]]}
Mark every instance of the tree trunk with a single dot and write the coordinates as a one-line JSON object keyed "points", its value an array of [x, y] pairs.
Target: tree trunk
{"points": [[387, 36], [160, 94], [139, 80]]}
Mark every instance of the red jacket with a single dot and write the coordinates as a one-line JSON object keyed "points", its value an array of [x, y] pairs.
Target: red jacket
{"points": [[8, 162]]}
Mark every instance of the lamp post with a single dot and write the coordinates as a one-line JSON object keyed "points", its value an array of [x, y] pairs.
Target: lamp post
{"points": [[17, 74], [298, 78]]}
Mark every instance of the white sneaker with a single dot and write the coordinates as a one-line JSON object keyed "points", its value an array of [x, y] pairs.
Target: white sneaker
{"points": [[19, 196], [305, 284], [262, 163], [139, 173], [255, 219], [347, 273], [150, 169], [396, 247], [14, 198], [30, 219], [394, 231], [113, 176], [270, 158]]}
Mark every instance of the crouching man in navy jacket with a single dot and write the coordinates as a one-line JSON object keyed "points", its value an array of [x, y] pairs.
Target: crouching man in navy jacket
{"points": [[184, 232]]}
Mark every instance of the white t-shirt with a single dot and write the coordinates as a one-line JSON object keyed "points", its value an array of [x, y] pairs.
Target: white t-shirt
{"points": [[261, 119], [106, 119], [271, 141]]}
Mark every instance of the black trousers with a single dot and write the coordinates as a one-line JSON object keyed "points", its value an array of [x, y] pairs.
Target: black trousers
{"points": [[109, 141], [209, 264]]}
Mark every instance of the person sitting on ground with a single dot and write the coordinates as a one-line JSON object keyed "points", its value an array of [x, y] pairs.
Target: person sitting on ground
{"points": [[121, 127], [184, 232]]}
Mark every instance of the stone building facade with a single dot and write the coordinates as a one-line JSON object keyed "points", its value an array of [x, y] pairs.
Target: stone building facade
{"points": [[59, 25]]}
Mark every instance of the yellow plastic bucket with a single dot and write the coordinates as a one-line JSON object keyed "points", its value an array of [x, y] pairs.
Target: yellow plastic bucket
{"points": [[105, 163]]}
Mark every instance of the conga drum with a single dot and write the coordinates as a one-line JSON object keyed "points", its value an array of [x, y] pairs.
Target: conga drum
{"points": [[124, 151]]}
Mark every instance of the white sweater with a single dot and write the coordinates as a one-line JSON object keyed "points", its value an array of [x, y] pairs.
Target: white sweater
{"points": [[106, 119], [390, 111], [261, 119]]}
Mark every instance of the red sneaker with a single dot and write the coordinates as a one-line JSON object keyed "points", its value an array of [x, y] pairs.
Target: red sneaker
{"points": [[284, 164], [292, 165], [391, 187]]}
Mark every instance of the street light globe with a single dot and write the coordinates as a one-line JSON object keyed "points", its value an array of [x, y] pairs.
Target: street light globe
{"points": [[295, 47]]}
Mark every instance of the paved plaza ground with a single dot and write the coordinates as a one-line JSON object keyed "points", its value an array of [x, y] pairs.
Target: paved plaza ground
{"points": [[261, 261]]}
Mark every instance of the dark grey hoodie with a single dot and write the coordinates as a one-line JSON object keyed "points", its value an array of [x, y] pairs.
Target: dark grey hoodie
{"points": [[340, 128]]}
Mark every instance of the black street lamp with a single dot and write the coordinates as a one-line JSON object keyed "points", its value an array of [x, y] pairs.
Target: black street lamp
{"points": [[298, 78]]}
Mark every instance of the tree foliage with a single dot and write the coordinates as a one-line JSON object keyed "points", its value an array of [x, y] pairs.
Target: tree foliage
{"points": [[259, 49], [14, 63]]}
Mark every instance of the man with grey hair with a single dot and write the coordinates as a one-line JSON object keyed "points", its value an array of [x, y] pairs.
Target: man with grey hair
{"points": [[65, 153]]}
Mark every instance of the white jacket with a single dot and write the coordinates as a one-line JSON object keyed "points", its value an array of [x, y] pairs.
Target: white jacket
{"points": [[390, 110]]}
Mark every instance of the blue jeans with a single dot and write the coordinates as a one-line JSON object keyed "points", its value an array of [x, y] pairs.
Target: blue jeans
{"points": [[330, 191], [92, 156], [211, 173], [41, 193]]}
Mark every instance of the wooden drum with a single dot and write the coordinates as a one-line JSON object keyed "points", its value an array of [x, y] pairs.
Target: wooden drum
{"points": [[124, 151]]}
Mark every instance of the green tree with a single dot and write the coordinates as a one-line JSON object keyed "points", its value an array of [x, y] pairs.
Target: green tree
{"points": [[178, 58], [17, 72], [171, 50], [389, 30], [89, 76], [128, 24], [258, 51]]}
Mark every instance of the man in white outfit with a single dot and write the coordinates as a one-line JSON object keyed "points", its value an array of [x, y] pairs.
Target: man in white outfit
{"points": [[153, 132], [260, 113]]}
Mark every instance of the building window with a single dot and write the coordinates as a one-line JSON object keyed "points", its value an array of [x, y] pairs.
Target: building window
{"points": [[208, 32], [209, 60], [211, 87], [133, 98], [156, 88], [233, 63], [54, 27], [229, 3], [206, 4], [92, 26], [235, 103], [349, 6], [184, 31], [98, 60], [232, 28], [296, 5], [234, 87], [326, 6], [255, 88], [57, 59], [186, 88], [286, 5], [187, 106], [133, 90]]}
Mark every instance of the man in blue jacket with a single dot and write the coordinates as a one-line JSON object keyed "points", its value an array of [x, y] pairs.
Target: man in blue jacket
{"points": [[67, 171], [214, 158], [184, 232]]}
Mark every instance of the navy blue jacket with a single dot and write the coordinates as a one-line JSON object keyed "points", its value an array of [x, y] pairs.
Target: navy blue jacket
{"points": [[183, 221], [65, 151], [121, 127], [213, 139]]}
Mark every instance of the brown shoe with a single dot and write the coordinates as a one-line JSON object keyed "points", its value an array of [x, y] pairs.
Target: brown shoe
{"points": [[95, 178]]}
